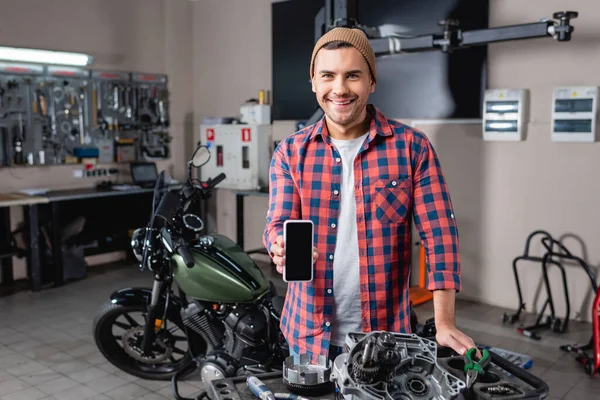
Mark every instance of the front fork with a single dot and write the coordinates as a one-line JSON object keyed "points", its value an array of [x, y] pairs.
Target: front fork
{"points": [[149, 329]]}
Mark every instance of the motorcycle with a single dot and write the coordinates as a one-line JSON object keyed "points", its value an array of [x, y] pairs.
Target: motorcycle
{"points": [[224, 318]]}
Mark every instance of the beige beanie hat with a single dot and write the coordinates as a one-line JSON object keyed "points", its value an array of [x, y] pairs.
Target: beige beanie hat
{"points": [[355, 37]]}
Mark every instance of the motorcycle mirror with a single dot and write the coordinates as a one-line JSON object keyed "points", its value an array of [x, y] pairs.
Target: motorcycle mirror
{"points": [[201, 156], [166, 239]]}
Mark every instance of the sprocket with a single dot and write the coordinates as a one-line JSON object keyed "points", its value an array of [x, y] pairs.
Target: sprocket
{"points": [[363, 373], [388, 361]]}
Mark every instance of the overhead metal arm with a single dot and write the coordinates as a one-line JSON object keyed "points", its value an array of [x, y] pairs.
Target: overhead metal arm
{"points": [[344, 13], [453, 38]]}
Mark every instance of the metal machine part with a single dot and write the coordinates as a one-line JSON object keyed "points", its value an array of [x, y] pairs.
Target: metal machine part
{"points": [[384, 365], [307, 375], [395, 366]]}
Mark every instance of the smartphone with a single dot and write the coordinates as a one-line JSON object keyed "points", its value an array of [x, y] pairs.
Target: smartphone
{"points": [[298, 239]]}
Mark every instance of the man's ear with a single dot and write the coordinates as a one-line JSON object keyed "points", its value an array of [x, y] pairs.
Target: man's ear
{"points": [[312, 84], [372, 86]]}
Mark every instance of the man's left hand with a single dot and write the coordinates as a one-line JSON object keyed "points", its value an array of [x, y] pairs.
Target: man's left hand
{"points": [[450, 336]]}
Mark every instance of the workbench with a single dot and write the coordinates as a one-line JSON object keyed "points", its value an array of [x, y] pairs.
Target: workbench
{"points": [[102, 208], [29, 204], [125, 209]]}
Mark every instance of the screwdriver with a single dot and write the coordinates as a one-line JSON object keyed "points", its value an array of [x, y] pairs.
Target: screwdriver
{"points": [[288, 396], [259, 389]]}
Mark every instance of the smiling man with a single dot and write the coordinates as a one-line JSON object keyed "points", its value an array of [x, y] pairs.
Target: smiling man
{"points": [[361, 178]]}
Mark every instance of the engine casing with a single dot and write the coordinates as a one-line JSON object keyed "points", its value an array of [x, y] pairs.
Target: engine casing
{"points": [[246, 334]]}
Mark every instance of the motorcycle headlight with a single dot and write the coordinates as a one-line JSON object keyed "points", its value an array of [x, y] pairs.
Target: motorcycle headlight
{"points": [[137, 243]]}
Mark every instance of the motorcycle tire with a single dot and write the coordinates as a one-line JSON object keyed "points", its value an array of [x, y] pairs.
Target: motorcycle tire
{"points": [[114, 352]]}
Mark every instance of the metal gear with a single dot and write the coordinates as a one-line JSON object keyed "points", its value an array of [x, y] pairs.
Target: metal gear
{"points": [[386, 341], [361, 372], [131, 340], [388, 361]]}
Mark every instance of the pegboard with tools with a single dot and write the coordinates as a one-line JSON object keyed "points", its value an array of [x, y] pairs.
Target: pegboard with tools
{"points": [[112, 115], [152, 106], [65, 115], [24, 127], [69, 90]]}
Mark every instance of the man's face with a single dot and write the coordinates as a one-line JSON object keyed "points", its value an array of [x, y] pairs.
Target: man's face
{"points": [[342, 83]]}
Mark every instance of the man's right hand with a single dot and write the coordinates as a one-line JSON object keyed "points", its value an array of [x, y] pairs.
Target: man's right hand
{"points": [[278, 250]]}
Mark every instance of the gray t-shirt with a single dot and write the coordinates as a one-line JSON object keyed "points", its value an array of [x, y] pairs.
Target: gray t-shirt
{"points": [[347, 315]]}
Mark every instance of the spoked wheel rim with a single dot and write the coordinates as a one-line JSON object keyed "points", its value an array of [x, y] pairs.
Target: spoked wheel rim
{"points": [[121, 335]]}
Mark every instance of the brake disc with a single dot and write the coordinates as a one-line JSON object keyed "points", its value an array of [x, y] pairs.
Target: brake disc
{"points": [[132, 339]]}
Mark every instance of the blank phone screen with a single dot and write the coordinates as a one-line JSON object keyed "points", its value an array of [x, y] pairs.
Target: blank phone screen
{"points": [[298, 251]]}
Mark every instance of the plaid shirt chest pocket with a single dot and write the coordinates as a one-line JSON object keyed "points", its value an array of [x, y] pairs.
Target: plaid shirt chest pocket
{"points": [[392, 198]]}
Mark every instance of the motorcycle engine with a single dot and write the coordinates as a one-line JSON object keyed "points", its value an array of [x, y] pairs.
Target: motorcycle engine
{"points": [[242, 346], [245, 334]]}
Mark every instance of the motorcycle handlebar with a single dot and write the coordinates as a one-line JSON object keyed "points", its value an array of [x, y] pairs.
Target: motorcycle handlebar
{"points": [[184, 251], [215, 181]]}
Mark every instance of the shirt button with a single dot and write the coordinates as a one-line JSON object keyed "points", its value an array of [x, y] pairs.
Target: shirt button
{"points": [[338, 159], [331, 256], [394, 183], [451, 215], [336, 192], [329, 291], [327, 323], [333, 225]]}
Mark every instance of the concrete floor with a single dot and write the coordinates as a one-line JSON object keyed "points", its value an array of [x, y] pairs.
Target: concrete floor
{"points": [[47, 350]]}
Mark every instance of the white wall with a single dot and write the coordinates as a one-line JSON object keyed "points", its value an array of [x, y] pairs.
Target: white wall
{"points": [[232, 62], [536, 184]]}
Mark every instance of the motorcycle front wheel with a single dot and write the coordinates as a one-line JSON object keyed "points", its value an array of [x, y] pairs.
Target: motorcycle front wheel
{"points": [[118, 332]]}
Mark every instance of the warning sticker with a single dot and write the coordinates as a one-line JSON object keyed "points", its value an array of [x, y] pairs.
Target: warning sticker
{"points": [[246, 135], [210, 134]]}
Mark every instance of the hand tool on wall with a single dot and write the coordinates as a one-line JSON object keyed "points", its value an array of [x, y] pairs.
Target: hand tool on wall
{"points": [[81, 124], [128, 102], [473, 368], [18, 145], [115, 97], [4, 138], [94, 108]]}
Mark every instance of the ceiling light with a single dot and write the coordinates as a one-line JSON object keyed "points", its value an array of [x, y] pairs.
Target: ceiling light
{"points": [[44, 56]]}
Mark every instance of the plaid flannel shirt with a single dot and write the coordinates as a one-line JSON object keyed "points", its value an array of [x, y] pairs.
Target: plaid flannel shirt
{"points": [[397, 176]]}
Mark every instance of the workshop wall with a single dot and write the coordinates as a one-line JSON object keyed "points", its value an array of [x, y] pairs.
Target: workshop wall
{"points": [[150, 36], [504, 191], [536, 184], [501, 191], [232, 62]]}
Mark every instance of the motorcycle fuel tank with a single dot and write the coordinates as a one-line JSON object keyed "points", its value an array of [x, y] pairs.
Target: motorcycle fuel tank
{"points": [[222, 273]]}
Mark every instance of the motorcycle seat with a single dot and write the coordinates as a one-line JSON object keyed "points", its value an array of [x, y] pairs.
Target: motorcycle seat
{"points": [[277, 302]]}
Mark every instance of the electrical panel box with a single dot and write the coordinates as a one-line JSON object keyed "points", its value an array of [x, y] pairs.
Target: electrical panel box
{"points": [[240, 151], [504, 114], [574, 113]]}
